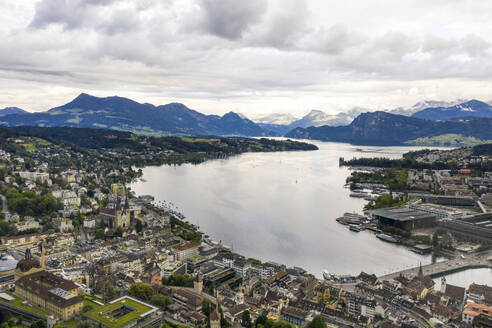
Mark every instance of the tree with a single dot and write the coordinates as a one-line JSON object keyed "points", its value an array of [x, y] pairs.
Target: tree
{"points": [[246, 320], [87, 308], [160, 300], [138, 226], [261, 320], [99, 233], [141, 291], [206, 307], [317, 322], [435, 239], [38, 324], [119, 232], [178, 280], [84, 324]]}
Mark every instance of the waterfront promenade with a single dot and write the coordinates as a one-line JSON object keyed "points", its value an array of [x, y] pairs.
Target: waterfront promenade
{"points": [[470, 261]]}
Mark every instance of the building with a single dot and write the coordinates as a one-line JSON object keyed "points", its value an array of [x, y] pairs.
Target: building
{"points": [[125, 312], [294, 315], [198, 284], [7, 270], [53, 294], [188, 299], [27, 266], [35, 176], [118, 189], [358, 305], [404, 218], [90, 223], [183, 252], [28, 225], [481, 294], [473, 310], [215, 319], [63, 225], [476, 229]]}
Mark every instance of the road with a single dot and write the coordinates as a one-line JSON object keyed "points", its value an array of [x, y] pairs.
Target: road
{"points": [[478, 260]]}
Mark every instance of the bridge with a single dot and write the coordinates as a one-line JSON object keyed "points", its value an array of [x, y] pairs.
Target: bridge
{"points": [[434, 270]]}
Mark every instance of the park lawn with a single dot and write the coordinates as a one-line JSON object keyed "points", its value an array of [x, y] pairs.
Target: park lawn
{"points": [[30, 147], [111, 322]]}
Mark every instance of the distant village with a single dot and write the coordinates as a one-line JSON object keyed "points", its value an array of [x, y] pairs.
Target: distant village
{"points": [[79, 249]]}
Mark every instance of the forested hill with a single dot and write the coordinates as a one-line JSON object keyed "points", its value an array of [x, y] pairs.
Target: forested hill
{"points": [[110, 139]]}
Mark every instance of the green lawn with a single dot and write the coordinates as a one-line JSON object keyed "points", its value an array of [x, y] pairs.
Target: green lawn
{"points": [[18, 303], [68, 324], [89, 300], [107, 320]]}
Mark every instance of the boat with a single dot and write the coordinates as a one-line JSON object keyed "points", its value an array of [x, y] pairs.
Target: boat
{"points": [[387, 238], [341, 220], [354, 228], [351, 218], [359, 194]]}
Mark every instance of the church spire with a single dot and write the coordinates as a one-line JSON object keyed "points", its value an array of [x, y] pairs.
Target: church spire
{"points": [[421, 273]]}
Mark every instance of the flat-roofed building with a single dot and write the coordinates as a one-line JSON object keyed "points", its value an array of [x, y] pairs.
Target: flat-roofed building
{"points": [[183, 252], [404, 218]]}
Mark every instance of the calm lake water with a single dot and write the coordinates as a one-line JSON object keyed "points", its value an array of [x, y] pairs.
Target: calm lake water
{"points": [[282, 207], [482, 276]]}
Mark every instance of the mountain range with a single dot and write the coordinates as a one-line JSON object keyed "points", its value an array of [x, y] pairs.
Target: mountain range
{"points": [[447, 123], [382, 128], [472, 108], [12, 110], [118, 113]]}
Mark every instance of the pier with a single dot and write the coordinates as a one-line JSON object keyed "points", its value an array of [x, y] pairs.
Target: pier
{"points": [[434, 270]]}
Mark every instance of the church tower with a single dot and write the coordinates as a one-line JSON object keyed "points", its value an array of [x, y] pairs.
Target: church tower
{"points": [[215, 315], [198, 284], [443, 285]]}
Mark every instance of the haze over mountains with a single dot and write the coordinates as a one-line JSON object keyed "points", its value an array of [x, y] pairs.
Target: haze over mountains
{"points": [[445, 123]]}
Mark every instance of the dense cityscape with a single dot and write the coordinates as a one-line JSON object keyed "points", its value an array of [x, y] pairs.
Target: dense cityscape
{"points": [[80, 249], [245, 164]]}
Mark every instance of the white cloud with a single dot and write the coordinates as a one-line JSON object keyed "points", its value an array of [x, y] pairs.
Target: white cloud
{"points": [[249, 56]]}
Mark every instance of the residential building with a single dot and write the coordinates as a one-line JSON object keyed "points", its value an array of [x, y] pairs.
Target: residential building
{"points": [[185, 251], [473, 310]]}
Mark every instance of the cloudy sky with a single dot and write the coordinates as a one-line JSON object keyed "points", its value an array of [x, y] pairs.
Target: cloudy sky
{"points": [[251, 56]]}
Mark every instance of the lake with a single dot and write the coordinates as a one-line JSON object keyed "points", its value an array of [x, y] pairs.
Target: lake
{"points": [[282, 207]]}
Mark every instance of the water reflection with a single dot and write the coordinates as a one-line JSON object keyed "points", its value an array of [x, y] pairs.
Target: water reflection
{"points": [[282, 207]]}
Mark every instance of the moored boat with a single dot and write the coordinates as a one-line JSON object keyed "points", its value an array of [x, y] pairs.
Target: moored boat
{"points": [[387, 238], [354, 228]]}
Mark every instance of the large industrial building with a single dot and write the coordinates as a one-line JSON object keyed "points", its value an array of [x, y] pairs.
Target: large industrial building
{"points": [[477, 228], [404, 218]]}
